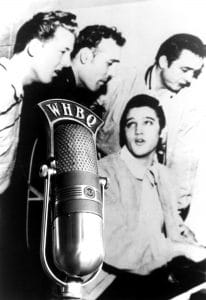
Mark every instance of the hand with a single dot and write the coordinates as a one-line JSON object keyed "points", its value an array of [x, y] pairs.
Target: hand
{"points": [[191, 251]]}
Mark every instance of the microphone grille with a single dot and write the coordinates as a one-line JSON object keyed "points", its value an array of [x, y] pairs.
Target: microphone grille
{"points": [[74, 148]]}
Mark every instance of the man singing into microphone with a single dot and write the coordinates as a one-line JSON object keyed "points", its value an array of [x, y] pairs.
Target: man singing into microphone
{"points": [[42, 48], [96, 54]]}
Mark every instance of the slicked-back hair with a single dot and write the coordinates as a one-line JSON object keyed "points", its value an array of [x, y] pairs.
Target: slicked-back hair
{"points": [[91, 36], [140, 101], [43, 26], [174, 45]]}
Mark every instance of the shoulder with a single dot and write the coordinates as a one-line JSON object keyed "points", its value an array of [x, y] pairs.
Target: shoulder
{"points": [[114, 168], [109, 162], [3, 71], [110, 158], [164, 171], [167, 180], [6, 90]]}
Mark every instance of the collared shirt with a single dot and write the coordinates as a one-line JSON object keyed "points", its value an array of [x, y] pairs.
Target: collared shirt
{"points": [[130, 207], [181, 126], [11, 93], [134, 213], [142, 173], [128, 83], [137, 170], [151, 83]]}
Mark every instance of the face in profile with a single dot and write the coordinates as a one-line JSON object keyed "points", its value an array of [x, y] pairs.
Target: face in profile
{"points": [[181, 72], [53, 54], [99, 69], [142, 131]]}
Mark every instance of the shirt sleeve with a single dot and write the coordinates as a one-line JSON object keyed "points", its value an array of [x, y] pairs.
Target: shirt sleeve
{"points": [[9, 119]]}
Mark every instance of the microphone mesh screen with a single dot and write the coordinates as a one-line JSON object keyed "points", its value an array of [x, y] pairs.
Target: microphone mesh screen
{"points": [[74, 149]]}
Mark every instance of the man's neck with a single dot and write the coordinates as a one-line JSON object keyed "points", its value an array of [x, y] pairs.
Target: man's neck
{"points": [[157, 86], [137, 165], [21, 68], [156, 80]]}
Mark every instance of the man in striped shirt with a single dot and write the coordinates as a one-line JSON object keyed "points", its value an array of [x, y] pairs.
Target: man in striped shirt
{"points": [[42, 48]]}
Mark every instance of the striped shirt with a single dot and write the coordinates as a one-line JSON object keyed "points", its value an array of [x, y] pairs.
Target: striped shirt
{"points": [[11, 92]]}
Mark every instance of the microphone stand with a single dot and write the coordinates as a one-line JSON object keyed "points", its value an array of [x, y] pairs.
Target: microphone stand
{"points": [[72, 288]]}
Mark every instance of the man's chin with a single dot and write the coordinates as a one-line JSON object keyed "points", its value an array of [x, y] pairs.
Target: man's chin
{"points": [[102, 89], [182, 87], [175, 89]]}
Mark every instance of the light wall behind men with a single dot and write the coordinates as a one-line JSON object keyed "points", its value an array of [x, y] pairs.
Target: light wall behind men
{"points": [[145, 23]]}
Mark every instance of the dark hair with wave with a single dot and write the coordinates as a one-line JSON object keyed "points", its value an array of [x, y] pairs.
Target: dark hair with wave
{"points": [[140, 101], [43, 26], [174, 45], [92, 35]]}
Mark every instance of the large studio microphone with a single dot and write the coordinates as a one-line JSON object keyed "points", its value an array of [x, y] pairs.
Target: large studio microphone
{"points": [[74, 191]]}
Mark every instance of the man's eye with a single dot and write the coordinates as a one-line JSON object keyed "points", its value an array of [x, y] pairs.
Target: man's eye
{"points": [[197, 73], [131, 124], [148, 122], [184, 70]]}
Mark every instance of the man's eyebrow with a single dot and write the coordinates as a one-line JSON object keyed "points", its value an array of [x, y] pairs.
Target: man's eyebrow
{"points": [[115, 60], [150, 118], [146, 117], [190, 68], [129, 119]]}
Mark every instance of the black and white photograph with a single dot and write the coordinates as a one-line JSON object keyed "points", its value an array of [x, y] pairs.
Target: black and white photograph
{"points": [[102, 149]]}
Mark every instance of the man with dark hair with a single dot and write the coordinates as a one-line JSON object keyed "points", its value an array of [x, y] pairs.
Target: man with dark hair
{"points": [[140, 198], [92, 35], [42, 48], [178, 61], [177, 65], [96, 53], [175, 44]]}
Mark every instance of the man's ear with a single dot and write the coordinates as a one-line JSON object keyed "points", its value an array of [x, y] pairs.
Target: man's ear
{"points": [[34, 47], [163, 62], [86, 55], [163, 135]]}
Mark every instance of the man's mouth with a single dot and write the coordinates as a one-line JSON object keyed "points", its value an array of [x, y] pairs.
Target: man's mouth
{"points": [[102, 82], [184, 84], [139, 142]]}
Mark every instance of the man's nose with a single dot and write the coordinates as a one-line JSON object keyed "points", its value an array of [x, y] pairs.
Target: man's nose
{"points": [[111, 71], [138, 129], [189, 76]]}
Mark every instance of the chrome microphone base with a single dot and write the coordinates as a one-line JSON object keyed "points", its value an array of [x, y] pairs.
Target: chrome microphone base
{"points": [[71, 291]]}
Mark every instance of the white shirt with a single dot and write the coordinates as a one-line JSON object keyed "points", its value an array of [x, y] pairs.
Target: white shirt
{"points": [[11, 92]]}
